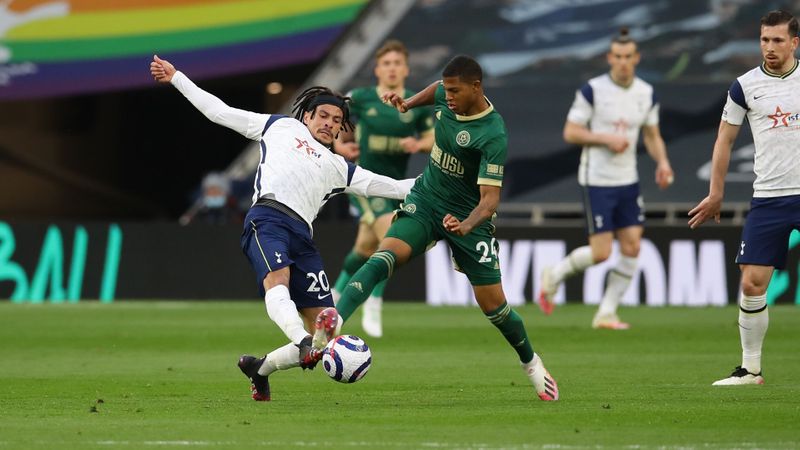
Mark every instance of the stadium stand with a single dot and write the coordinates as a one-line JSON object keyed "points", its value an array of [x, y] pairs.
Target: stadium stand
{"points": [[536, 55]]}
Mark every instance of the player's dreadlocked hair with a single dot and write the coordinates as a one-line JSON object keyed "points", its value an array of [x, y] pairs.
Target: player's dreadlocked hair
{"points": [[314, 96]]}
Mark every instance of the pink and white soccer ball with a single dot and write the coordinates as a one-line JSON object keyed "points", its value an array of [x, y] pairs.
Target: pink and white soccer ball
{"points": [[346, 358]]}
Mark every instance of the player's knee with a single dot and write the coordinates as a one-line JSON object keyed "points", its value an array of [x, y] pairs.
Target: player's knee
{"points": [[384, 258], [753, 287], [631, 249], [600, 255], [277, 278], [365, 249]]}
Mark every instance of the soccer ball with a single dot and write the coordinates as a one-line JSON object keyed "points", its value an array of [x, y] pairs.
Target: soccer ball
{"points": [[346, 358]]}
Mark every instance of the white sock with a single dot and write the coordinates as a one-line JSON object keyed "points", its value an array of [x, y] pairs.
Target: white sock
{"points": [[282, 310], [281, 358], [376, 303], [753, 324], [618, 281], [577, 261], [530, 365]]}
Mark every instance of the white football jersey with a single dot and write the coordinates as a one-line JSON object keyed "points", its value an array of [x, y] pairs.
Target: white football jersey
{"points": [[771, 104], [606, 107], [294, 169]]}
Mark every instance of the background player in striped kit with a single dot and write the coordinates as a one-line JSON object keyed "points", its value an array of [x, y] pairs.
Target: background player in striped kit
{"points": [[296, 175], [769, 97], [384, 140], [605, 119]]}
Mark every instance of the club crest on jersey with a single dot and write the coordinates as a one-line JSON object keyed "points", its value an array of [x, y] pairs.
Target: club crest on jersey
{"points": [[410, 208], [463, 138], [377, 203]]}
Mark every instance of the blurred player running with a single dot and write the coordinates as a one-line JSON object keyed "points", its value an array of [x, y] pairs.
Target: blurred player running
{"points": [[605, 119], [385, 138], [296, 175]]}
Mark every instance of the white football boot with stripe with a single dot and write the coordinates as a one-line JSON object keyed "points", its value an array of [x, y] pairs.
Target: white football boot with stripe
{"points": [[608, 322], [543, 382]]}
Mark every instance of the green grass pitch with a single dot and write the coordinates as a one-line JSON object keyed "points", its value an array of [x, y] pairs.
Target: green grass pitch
{"points": [[163, 375]]}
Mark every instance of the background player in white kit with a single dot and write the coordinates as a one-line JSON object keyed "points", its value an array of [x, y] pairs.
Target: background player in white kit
{"points": [[769, 96], [605, 118], [296, 175]]}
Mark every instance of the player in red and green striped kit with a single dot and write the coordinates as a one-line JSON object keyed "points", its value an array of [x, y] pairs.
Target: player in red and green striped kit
{"points": [[455, 200], [384, 140]]}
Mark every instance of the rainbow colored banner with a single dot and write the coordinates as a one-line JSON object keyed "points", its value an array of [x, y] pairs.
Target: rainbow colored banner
{"points": [[66, 47]]}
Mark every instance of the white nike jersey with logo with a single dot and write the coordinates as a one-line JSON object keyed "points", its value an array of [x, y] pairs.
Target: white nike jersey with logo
{"points": [[606, 107], [771, 104], [295, 169]]}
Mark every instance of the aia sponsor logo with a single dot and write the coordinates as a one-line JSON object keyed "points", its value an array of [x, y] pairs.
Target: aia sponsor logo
{"points": [[783, 119], [303, 145]]}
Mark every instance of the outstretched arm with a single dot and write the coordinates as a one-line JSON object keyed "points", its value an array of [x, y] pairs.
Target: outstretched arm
{"points": [[421, 98], [247, 123], [490, 198], [710, 206], [370, 184]]}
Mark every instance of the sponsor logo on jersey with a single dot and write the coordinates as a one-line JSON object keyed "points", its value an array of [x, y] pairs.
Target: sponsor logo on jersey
{"points": [[494, 169], [448, 163], [372, 112], [302, 144], [406, 117], [620, 126], [781, 118], [463, 138], [438, 115]]}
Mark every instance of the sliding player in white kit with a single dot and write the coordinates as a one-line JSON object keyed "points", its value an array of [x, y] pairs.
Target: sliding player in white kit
{"points": [[296, 175], [605, 118], [769, 97]]}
